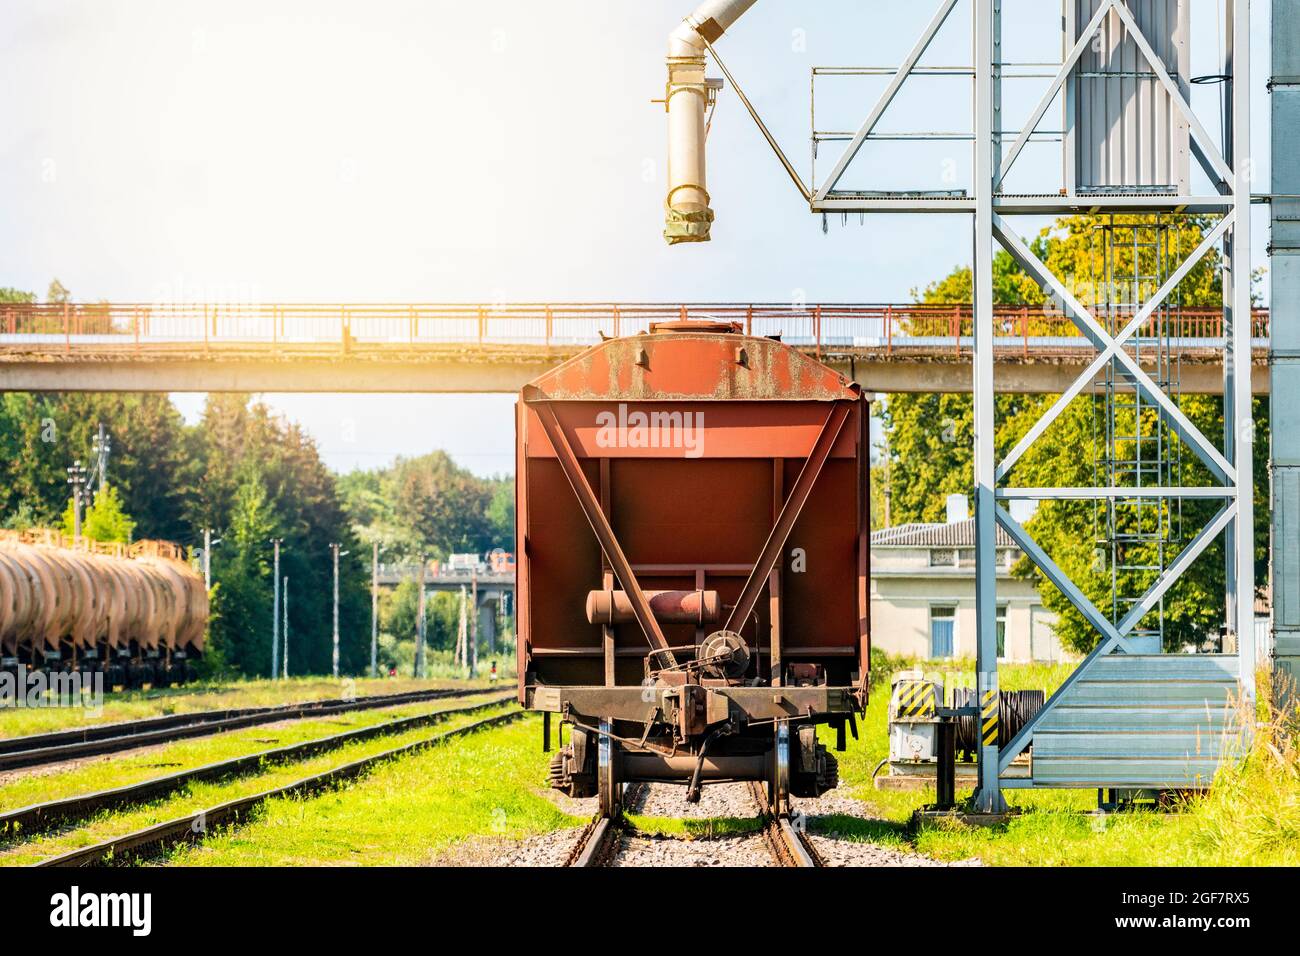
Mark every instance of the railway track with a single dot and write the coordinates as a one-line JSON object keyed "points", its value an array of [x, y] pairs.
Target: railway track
{"points": [[41, 817], [194, 826], [788, 843], [599, 843], [60, 745]]}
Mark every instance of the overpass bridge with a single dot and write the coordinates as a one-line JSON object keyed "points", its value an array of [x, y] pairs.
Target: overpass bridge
{"points": [[492, 592], [196, 347]]}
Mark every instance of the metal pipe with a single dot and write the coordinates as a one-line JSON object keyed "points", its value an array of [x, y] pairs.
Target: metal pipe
{"points": [[688, 214], [655, 766], [671, 607]]}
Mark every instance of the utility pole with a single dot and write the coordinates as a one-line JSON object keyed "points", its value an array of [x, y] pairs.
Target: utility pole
{"points": [[419, 624], [208, 545], [462, 632], [77, 479], [275, 613], [374, 609], [101, 448], [473, 622], [284, 609], [335, 549], [207, 559]]}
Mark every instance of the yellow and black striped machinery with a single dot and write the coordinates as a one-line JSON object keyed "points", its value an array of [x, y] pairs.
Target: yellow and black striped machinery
{"points": [[918, 703], [914, 703]]}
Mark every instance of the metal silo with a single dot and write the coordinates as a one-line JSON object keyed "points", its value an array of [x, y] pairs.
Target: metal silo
{"points": [[1122, 128]]}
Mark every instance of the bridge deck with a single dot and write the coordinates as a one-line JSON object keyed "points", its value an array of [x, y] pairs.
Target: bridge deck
{"points": [[468, 348]]}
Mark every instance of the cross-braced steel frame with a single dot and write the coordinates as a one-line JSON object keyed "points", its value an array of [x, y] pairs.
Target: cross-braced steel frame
{"points": [[990, 205]]}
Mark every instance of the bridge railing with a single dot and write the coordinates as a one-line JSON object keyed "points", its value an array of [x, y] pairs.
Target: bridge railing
{"points": [[885, 328]]}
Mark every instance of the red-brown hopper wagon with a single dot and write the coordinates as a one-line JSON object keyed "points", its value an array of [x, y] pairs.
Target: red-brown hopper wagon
{"points": [[692, 561]]}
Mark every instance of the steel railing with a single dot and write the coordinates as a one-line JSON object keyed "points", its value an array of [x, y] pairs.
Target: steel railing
{"points": [[833, 327]]}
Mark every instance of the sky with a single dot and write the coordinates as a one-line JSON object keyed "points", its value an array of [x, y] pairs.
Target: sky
{"points": [[437, 151]]}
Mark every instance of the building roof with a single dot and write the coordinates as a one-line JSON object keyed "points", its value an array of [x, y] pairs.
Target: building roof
{"points": [[957, 534]]}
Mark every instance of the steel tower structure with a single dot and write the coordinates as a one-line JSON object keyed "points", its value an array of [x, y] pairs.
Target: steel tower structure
{"points": [[1125, 694]]}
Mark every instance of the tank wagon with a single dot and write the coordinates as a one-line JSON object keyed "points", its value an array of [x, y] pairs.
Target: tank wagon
{"points": [[137, 613], [692, 562]]}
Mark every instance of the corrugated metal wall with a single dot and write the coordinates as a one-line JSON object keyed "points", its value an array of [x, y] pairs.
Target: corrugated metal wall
{"points": [[1122, 128], [1284, 356], [1146, 722]]}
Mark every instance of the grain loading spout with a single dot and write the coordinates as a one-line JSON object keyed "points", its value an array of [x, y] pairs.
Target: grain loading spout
{"points": [[688, 214]]}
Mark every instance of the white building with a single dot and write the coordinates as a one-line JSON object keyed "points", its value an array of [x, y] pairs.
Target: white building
{"points": [[923, 594]]}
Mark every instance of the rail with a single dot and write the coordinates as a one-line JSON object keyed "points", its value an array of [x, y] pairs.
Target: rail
{"points": [[193, 827], [60, 745], [167, 328], [41, 817]]}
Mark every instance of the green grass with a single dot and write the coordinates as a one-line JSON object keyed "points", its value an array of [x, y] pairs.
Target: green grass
{"points": [[119, 770], [197, 796], [138, 704], [489, 786], [407, 812], [1250, 817], [695, 828]]}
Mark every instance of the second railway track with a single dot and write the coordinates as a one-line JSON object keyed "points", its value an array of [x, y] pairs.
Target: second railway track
{"points": [[41, 817], [60, 745], [190, 827]]}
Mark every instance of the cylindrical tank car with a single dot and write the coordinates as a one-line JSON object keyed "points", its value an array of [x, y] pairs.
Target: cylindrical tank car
{"points": [[137, 613]]}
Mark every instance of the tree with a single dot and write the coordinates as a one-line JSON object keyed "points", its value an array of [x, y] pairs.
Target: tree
{"points": [[16, 296], [303, 498], [445, 504], [103, 520], [57, 294], [501, 514], [242, 598]]}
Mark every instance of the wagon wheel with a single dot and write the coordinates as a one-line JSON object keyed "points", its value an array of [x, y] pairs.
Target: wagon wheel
{"points": [[778, 786], [608, 788]]}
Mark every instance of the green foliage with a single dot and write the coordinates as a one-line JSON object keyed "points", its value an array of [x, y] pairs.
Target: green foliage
{"points": [[173, 481], [929, 442], [103, 520], [501, 514], [16, 296], [150, 466], [57, 294], [398, 617], [243, 597], [430, 507], [234, 445]]}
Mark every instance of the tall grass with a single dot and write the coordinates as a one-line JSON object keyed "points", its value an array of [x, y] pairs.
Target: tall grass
{"points": [[1251, 815]]}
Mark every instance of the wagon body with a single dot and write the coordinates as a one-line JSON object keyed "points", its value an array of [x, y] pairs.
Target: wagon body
{"points": [[724, 478], [99, 606]]}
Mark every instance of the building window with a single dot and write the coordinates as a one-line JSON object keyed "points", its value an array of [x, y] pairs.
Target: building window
{"points": [[942, 557], [943, 622], [1002, 631]]}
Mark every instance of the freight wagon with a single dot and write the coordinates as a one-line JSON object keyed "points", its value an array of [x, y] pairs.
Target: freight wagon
{"points": [[137, 613], [692, 562]]}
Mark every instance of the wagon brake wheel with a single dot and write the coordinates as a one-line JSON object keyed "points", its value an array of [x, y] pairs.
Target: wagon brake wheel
{"points": [[779, 784], [607, 785]]}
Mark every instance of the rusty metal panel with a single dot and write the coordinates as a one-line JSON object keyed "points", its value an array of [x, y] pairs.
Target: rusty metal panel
{"points": [[1123, 130], [690, 515]]}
